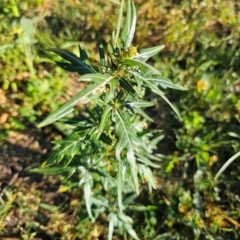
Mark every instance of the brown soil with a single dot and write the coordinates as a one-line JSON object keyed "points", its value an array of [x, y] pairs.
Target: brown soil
{"points": [[30, 201]]}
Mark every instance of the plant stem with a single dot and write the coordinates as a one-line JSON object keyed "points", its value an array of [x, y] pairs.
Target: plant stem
{"points": [[229, 161]]}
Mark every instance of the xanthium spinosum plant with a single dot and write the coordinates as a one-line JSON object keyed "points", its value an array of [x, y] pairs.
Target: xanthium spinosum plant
{"points": [[110, 143]]}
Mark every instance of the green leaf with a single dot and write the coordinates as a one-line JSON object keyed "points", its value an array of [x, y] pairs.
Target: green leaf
{"points": [[84, 58], [102, 174], [143, 208], [66, 148], [101, 53], [135, 106], [124, 84], [148, 175], [127, 140], [152, 144], [140, 103], [131, 232], [99, 79], [143, 114], [87, 195], [226, 164], [112, 222], [105, 138], [166, 83], [127, 24], [112, 88], [52, 170], [146, 53], [82, 121], [143, 66], [127, 137], [83, 55], [156, 90], [120, 187], [76, 64], [130, 24], [118, 27], [144, 160], [161, 94], [105, 119], [134, 175]]}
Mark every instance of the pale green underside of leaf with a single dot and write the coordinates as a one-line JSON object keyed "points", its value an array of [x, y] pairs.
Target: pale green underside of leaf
{"points": [[131, 231], [146, 161], [130, 24], [137, 105], [127, 24], [134, 175], [104, 119], [120, 187], [99, 81], [165, 83], [140, 103], [143, 114], [87, 195], [143, 66], [127, 138], [112, 219], [146, 53], [148, 175]]}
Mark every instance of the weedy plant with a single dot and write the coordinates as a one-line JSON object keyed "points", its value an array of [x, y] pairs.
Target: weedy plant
{"points": [[110, 143]]}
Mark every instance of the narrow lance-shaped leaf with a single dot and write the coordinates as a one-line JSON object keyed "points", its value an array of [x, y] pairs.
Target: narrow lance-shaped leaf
{"points": [[67, 108], [156, 90], [146, 53], [127, 138], [120, 187], [146, 161], [112, 222], [143, 114], [104, 119], [83, 56], [87, 195], [119, 23], [75, 65], [143, 66], [127, 24], [134, 175], [166, 83], [140, 103], [131, 231], [101, 53], [130, 24], [67, 149], [136, 107], [124, 84], [133, 26], [148, 175], [153, 143]]}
